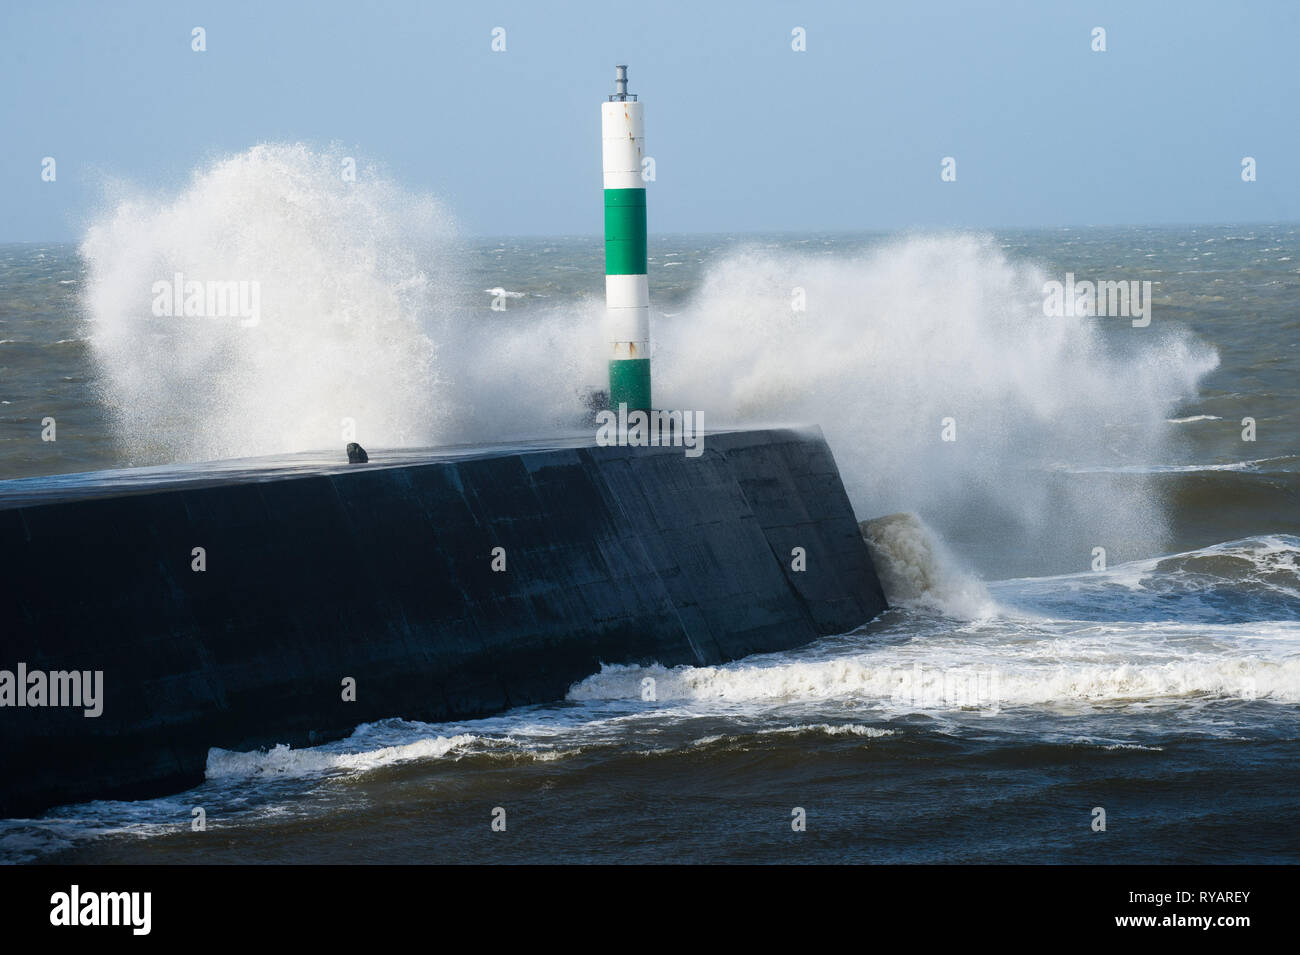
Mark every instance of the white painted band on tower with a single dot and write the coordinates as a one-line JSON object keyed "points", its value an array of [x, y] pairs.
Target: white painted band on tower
{"points": [[627, 311], [622, 134]]}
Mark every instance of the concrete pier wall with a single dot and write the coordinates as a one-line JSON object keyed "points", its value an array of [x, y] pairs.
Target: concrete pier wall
{"points": [[383, 573]]}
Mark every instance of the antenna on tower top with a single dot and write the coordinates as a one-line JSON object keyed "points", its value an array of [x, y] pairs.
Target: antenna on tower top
{"points": [[621, 95]]}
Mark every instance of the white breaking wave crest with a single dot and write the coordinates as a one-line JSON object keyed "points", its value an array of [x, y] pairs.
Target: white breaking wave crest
{"points": [[917, 569], [824, 729], [1268, 564], [282, 760], [827, 729], [914, 680], [503, 737], [1251, 465]]}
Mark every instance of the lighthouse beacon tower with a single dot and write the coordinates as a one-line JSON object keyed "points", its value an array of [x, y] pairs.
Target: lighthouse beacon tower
{"points": [[627, 295]]}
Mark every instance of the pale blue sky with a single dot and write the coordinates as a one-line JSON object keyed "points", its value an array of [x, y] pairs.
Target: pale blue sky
{"points": [[746, 133]]}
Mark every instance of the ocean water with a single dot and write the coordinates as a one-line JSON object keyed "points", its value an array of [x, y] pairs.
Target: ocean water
{"points": [[1017, 684]]}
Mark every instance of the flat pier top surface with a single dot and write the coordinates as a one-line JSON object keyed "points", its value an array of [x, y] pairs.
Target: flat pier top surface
{"points": [[56, 488]]}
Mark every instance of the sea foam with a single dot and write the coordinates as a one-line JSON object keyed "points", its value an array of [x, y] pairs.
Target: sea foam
{"points": [[369, 316]]}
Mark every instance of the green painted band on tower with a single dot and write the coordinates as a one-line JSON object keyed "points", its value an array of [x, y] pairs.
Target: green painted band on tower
{"points": [[629, 383], [625, 230]]}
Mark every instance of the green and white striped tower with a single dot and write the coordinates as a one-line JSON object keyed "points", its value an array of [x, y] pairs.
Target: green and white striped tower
{"points": [[627, 294]]}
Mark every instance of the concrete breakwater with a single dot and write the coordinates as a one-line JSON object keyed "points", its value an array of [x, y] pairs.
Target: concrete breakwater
{"points": [[246, 607]]}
